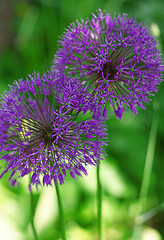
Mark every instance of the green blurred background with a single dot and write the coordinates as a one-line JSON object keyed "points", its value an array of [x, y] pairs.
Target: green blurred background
{"points": [[29, 33]]}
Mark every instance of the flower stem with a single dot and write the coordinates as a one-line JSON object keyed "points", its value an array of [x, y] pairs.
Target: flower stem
{"points": [[61, 216], [32, 215], [99, 201]]}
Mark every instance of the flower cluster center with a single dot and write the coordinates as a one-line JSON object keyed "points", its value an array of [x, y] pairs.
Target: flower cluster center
{"points": [[48, 136], [109, 71]]}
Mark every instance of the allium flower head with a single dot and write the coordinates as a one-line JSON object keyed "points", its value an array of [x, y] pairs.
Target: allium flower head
{"points": [[44, 138], [116, 57], [76, 95]]}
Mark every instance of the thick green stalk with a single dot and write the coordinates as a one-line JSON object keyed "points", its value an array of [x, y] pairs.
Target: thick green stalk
{"points": [[99, 202], [32, 215], [61, 215]]}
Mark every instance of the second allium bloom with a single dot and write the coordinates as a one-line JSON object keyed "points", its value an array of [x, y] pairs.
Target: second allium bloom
{"points": [[117, 57], [43, 137]]}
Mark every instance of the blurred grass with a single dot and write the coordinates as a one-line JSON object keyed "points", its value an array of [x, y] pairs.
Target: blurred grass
{"points": [[34, 28]]}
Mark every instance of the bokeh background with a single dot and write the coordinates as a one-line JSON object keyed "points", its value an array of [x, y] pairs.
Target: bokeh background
{"points": [[29, 31]]}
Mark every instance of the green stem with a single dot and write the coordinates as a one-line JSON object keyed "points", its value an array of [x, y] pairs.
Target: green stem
{"points": [[148, 163], [147, 173], [32, 215], [61, 215], [99, 201], [150, 214]]}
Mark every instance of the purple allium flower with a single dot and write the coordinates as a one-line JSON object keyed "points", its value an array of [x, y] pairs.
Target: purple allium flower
{"points": [[116, 57], [44, 138], [76, 95]]}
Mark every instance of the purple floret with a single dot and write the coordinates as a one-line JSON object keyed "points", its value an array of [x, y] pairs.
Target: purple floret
{"points": [[117, 58], [42, 136]]}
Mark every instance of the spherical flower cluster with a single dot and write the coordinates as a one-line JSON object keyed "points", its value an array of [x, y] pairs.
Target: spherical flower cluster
{"points": [[116, 57], [44, 137], [76, 95]]}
